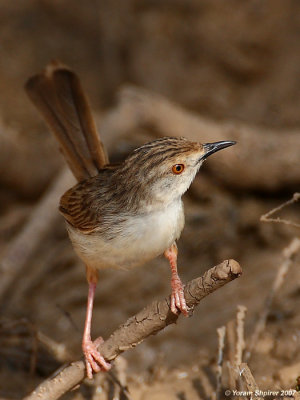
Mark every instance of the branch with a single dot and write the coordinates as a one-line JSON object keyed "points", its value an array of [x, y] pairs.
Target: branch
{"points": [[39, 223], [246, 374], [266, 217], [240, 335], [149, 321], [221, 344], [288, 256]]}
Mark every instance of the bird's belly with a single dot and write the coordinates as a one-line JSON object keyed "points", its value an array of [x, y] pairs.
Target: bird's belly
{"points": [[141, 239]]}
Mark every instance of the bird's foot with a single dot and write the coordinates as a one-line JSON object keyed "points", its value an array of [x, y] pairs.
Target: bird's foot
{"points": [[178, 302], [94, 361]]}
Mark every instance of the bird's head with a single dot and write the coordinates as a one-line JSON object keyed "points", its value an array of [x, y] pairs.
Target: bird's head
{"points": [[165, 168]]}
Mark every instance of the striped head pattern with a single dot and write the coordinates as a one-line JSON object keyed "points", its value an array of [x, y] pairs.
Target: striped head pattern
{"points": [[165, 168]]}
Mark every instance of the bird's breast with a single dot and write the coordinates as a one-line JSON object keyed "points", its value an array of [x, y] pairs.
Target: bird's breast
{"points": [[137, 239]]}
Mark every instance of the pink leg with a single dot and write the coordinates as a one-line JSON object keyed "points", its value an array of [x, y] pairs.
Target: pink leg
{"points": [[93, 360], [177, 295]]}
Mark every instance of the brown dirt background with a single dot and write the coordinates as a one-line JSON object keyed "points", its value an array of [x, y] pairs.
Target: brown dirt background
{"points": [[225, 60]]}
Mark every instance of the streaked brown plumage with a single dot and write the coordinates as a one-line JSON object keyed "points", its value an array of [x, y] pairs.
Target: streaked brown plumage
{"points": [[117, 216], [127, 188]]}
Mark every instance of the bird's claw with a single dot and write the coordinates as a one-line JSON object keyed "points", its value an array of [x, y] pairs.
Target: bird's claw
{"points": [[94, 361], [178, 302]]}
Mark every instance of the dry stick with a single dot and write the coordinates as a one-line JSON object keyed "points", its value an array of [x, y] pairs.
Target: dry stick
{"points": [[259, 149], [26, 242], [206, 384], [240, 342], [114, 382], [240, 329], [221, 342], [120, 380], [249, 380], [288, 253], [231, 349], [101, 389], [58, 350], [235, 345], [149, 321], [266, 217]]}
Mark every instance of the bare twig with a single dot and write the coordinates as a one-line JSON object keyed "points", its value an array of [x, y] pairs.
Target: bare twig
{"points": [[149, 321], [25, 243], [205, 382], [120, 378], [266, 217], [230, 352], [221, 341], [240, 328], [249, 380], [235, 345], [288, 254], [101, 388], [270, 151], [59, 350]]}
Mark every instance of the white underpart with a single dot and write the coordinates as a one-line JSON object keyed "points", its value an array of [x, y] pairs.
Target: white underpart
{"points": [[141, 239]]}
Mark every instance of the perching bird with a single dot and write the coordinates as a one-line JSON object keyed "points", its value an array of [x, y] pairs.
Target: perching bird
{"points": [[117, 216]]}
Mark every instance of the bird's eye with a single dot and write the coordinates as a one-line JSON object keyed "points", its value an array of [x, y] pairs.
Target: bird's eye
{"points": [[177, 169]]}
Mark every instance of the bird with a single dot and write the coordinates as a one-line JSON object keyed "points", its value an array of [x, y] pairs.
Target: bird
{"points": [[117, 215]]}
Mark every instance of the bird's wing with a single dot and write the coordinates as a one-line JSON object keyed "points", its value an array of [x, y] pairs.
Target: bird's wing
{"points": [[76, 205], [81, 205]]}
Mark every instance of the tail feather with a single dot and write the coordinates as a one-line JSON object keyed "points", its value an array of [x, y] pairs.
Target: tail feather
{"points": [[58, 95]]}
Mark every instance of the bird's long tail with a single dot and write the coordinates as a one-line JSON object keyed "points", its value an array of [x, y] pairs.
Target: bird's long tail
{"points": [[58, 95]]}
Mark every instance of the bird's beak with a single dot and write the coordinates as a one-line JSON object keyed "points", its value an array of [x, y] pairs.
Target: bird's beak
{"points": [[211, 148]]}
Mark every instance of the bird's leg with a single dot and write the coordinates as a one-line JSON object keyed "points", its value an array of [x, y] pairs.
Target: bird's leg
{"points": [[93, 360], [177, 296]]}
